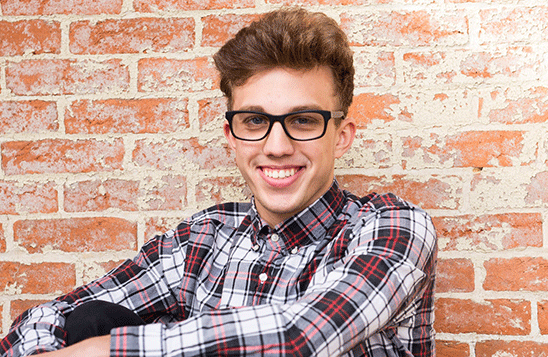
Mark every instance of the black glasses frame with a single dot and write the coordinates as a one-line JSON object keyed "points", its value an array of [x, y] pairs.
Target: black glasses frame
{"points": [[280, 119]]}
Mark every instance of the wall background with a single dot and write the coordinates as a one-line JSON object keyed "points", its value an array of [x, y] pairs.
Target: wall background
{"points": [[110, 131]]}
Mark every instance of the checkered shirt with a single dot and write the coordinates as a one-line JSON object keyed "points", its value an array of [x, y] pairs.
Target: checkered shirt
{"points": [[345, 277]]}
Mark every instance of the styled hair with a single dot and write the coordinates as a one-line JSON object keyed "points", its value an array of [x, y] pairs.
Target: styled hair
{"points": [[292, 38]]}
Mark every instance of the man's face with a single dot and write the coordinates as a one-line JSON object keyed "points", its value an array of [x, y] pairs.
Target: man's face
{"points": [[285, 175]]}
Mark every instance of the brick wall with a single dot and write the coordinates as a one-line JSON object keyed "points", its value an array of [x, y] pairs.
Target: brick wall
{"points": [[110, 131]]}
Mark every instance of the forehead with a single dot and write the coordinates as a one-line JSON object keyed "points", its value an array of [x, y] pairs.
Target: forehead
{"points": [[282, 90]]}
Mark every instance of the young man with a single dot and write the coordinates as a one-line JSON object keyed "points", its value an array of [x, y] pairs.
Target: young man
{"points": [[304, 269]]}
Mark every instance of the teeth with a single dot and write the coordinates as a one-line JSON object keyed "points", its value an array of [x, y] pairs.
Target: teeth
{"points": [[279, 174]]}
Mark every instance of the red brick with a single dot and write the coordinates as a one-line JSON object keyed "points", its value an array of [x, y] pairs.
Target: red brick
{"points": [[452, 349], [536, 190], [27, 197], [38, 278], [498, 317], [219, 29], [516, 274], [96, 270], [473, 149], [491, 232], [211, 113], [67, 7], [29, 36], [216, 190], [181, 155], [61, 155], [428, 194], [17, 307], [76, 234], [495, 348], [401, 28], [509, 64], [132, 36], [454, 275], [32, 116], [163, 115], [513, 24], [429, 68], [188, 5], [542, 308], [529, 106], [101, 195], [159, 225], [56, 77], [374, 69], [2, 239], [367, 107], [168, 75]]}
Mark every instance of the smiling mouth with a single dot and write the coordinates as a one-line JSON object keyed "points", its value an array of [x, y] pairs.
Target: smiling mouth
{"points": [[279, 174]]}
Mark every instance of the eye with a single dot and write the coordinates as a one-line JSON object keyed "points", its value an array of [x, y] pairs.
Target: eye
{"points": [[304, 119], [254, 119]]}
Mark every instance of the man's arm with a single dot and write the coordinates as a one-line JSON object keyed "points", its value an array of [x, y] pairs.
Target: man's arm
{"points": [[92, 347]]}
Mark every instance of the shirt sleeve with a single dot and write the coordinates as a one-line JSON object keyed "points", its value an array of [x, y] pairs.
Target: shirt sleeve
{"points": [[378, 282], [136, 284]]}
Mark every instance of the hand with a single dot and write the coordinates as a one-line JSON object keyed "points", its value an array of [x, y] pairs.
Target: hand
{"points": [[92, 347]]}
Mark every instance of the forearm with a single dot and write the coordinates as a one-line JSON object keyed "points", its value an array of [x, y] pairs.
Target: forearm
{"points": [[93, 347]]}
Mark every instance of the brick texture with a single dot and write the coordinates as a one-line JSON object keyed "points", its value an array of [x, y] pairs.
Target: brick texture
{"points": [[111, 132]]}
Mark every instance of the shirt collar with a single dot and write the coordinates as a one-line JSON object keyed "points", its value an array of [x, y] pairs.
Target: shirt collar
{"points": [[309, 225]]}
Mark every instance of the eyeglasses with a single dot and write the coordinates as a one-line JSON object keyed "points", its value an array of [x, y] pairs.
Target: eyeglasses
{"points": [[303, 125]]}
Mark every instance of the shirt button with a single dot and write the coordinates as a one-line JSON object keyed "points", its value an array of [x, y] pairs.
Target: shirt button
{"points": [[255, 247], [295, 250], [275, 237], [263, 277]]}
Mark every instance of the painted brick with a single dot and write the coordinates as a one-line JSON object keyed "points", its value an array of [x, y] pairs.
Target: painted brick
{"points": [[29, 116], [471, 149], [507, 64], [29, 36], [498, 317], [402, 28], [132, 36], [97, 234], [17, 307], [536, 190], [516, 105], [99, 195], [28, 197], [369, 152], [2, 239], [168, 75], [491, 232], [162, 115], [374, 68], [429, 193], [516, 274], [513, 24], [67, 7], [61, 155], [511, 348], [454, 275], [367, 107], [37, 278], [167, 193], [189, 5], [211, 113], [452, 349], [59, 76], [219, 29], [159, 225], [96, 270], [181, 155], [216, 190]]}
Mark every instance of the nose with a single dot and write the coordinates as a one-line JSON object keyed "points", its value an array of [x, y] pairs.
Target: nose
{"points": [[277, 143]]}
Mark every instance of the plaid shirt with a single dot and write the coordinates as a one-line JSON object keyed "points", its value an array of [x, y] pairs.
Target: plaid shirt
{"points": [[345, 277]]}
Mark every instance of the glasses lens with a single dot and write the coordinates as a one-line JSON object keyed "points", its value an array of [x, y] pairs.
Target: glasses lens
{"points": [[250, 126], [305, 126]]}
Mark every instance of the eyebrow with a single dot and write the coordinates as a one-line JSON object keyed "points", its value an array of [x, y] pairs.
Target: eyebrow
{"points": [[255, 108]]}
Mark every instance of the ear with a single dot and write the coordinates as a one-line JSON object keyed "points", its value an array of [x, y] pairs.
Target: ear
{"points": [[228, 135], [346, 132]]}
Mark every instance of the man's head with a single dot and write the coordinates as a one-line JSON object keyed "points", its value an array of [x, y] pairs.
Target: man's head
{"points": [[289, 38], [287, 95]]}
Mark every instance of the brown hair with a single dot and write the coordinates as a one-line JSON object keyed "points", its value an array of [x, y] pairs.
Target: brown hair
{"points": [[292, 38]]}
